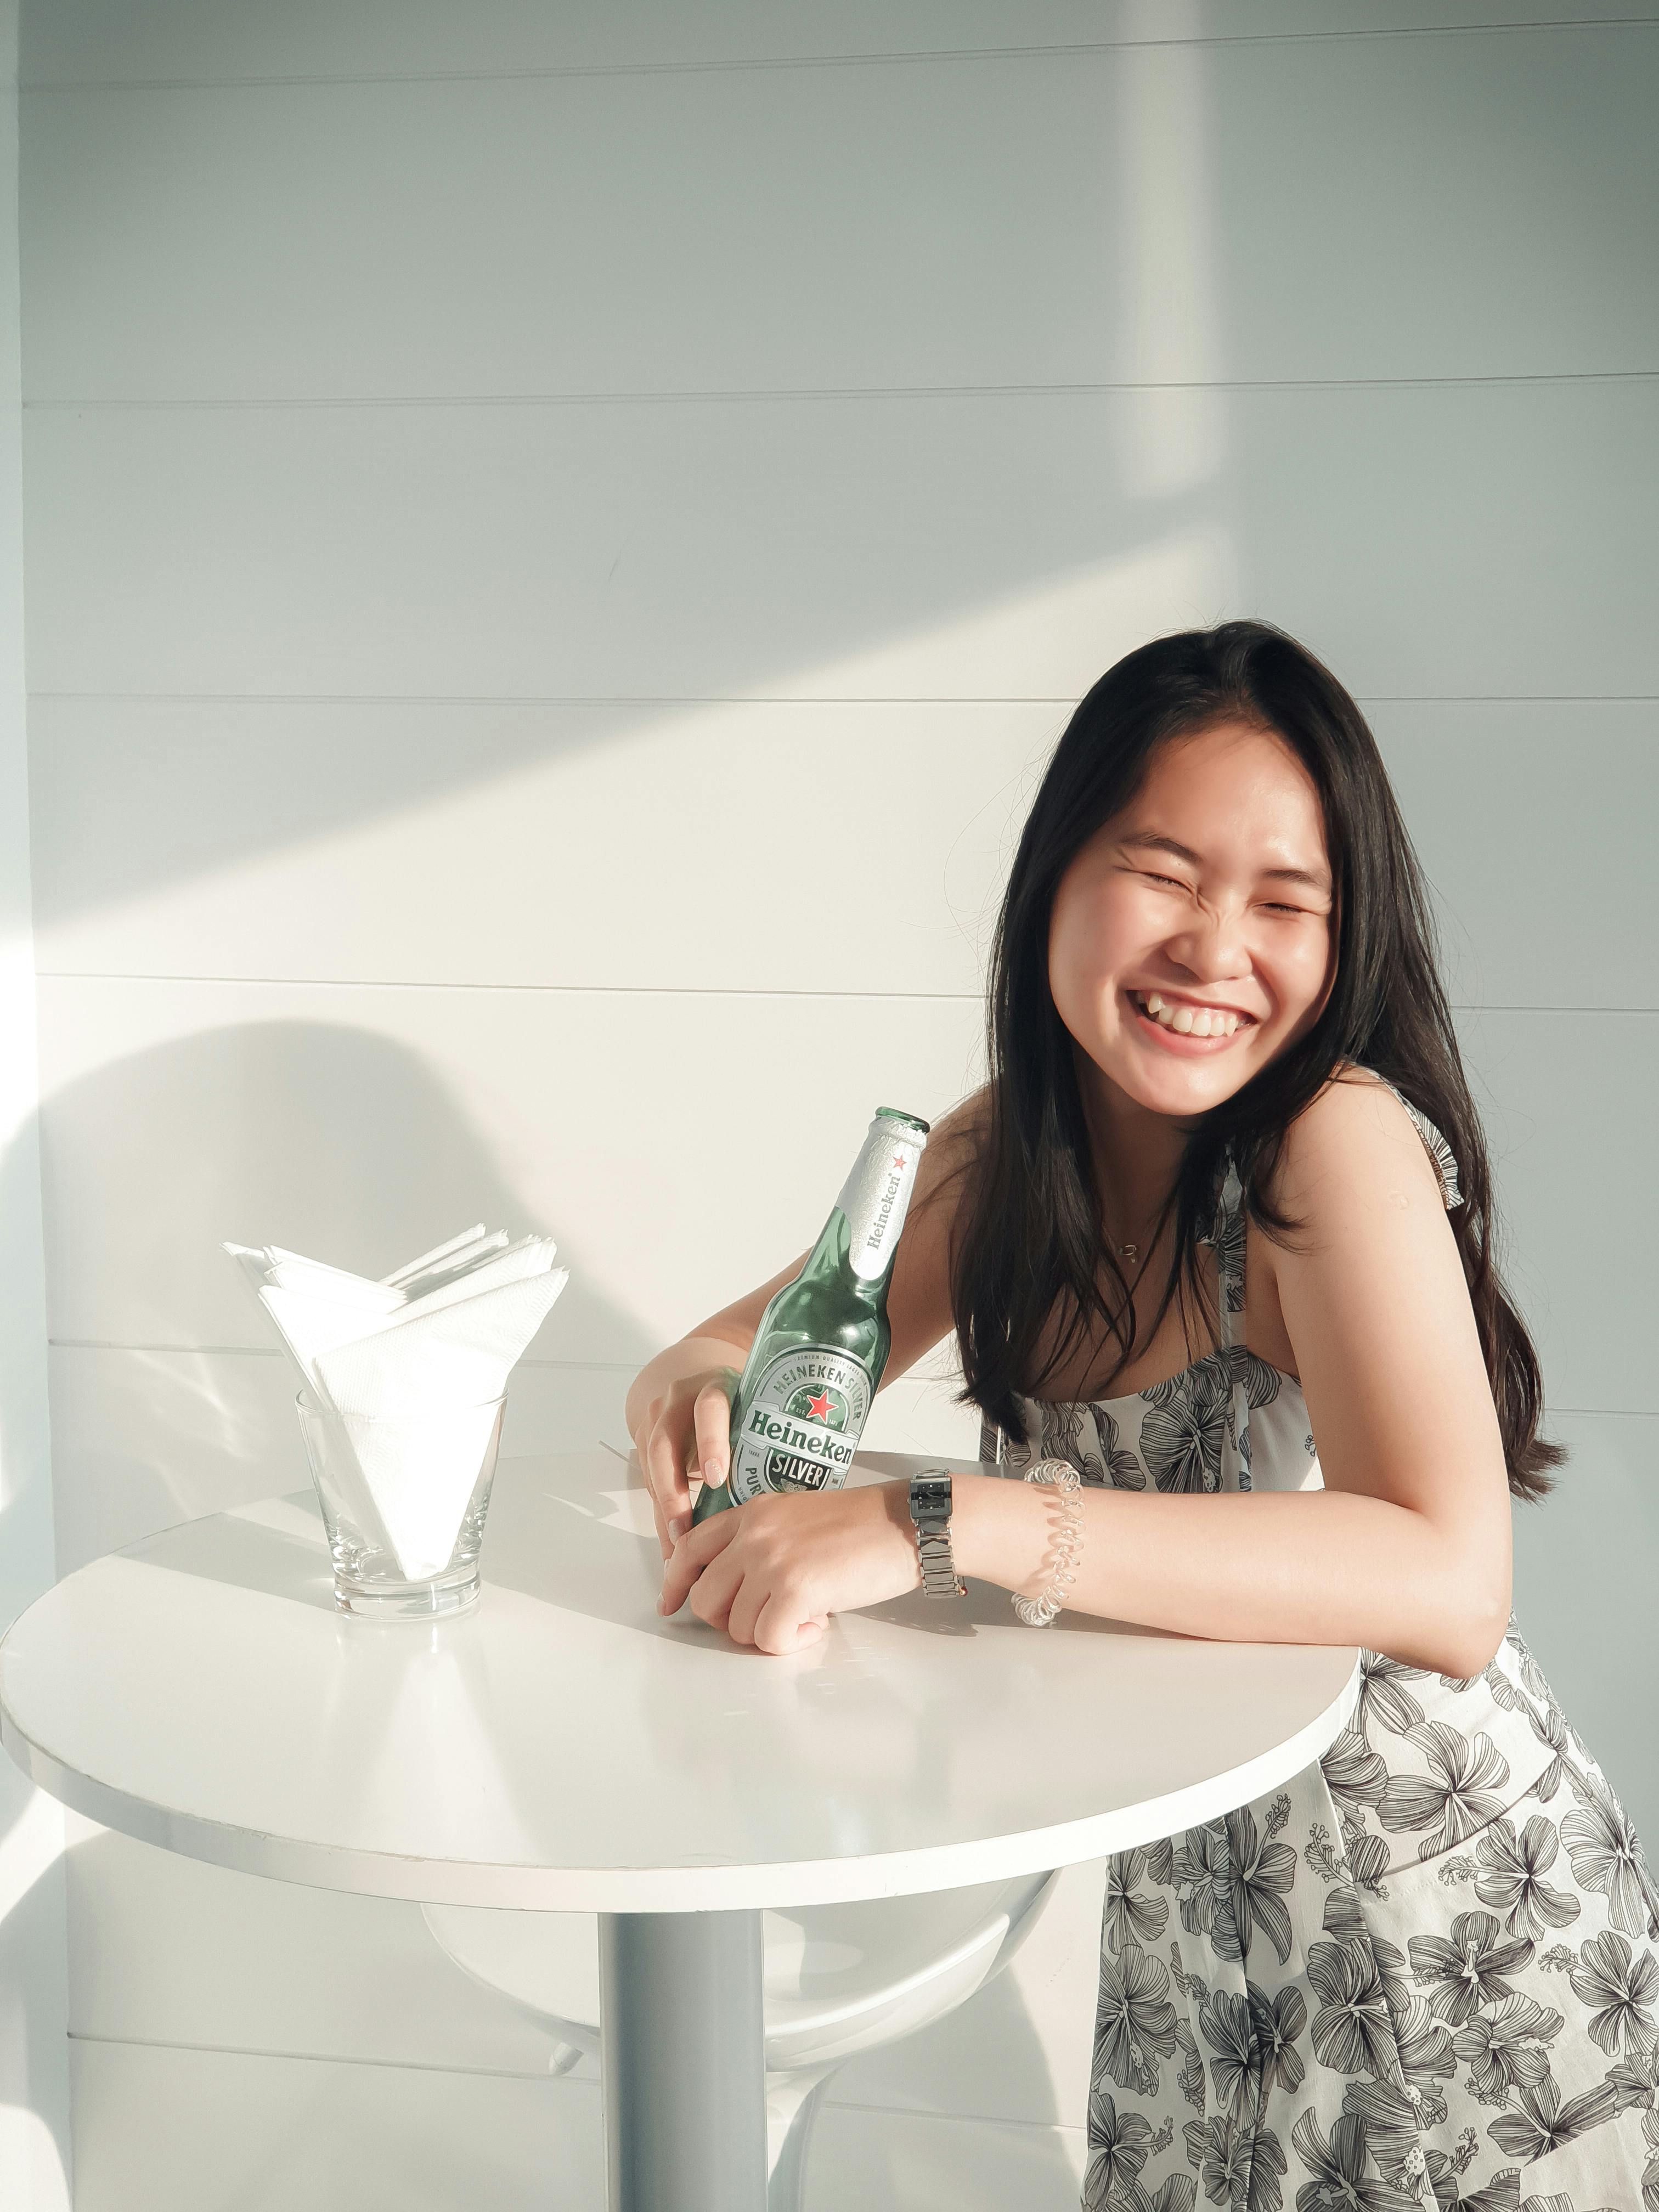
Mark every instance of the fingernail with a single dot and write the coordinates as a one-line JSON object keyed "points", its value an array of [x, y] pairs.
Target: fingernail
{"points": [[677, 1528]]}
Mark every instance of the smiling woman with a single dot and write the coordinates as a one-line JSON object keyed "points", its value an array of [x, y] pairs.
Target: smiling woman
{"points": [[1242, 791], [1219, 1042], [1216, 831]]}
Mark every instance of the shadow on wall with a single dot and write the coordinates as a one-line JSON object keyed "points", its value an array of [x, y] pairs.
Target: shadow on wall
{"points": [[169, 1396]]}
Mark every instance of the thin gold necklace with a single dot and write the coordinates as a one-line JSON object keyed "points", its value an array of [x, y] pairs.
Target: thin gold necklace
{"points": [[1127, 1252]]}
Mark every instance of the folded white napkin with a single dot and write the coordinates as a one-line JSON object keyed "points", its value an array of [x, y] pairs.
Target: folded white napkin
{"points": [[411, 1367]]}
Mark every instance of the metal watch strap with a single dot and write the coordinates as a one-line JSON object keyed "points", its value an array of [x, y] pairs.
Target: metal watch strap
{"points": [[930, 1514]]}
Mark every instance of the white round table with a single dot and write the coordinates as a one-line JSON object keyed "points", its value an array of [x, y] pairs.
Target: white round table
{"points": [[564, 1748]]}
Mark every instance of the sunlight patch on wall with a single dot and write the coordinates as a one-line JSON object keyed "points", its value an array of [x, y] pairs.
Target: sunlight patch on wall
{"points": [[1171, 439], [1050, 641], [642, 846], [33, 1842], [25, 1496], [32, 2176], [218, 1421], [17, 1063]]}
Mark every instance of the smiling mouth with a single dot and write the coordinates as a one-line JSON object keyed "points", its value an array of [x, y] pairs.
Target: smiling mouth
{"points": [[1176, 1017]]}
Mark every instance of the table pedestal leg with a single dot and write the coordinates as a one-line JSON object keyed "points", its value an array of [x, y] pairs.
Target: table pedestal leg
{"points": [[683, 2047]]}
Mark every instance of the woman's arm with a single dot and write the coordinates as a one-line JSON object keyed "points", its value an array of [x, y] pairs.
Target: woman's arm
{"points": [[678, 1406], [1407, 1549]]}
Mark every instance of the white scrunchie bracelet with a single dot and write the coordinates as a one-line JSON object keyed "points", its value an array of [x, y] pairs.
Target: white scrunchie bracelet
{"points": [[1037, 1612]]}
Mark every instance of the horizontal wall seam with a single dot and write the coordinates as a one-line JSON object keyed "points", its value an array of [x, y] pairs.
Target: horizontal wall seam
{"points": [[572, 990], [330, 2059], [781, 699], [952, 2119], [544, 699], [275, 1351], [621, 1367], [745, 64], [651, 990], [783, 394], [577, 2079]]}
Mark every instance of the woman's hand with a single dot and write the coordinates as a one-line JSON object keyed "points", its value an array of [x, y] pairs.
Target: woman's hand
{"points": [[771, 1571], [685, 1432]]}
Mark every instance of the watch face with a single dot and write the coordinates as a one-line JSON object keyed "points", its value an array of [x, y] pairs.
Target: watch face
{"points": [[930, 1493]]}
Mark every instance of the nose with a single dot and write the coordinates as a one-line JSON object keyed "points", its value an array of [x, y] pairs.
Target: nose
{"points": [[1211, 944]]}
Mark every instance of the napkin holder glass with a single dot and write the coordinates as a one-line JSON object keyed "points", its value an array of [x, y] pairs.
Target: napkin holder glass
{"points": [[404, 1499]]}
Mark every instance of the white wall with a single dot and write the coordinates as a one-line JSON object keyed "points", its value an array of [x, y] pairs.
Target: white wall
{"points": [[34, 2097], [516, 495]]}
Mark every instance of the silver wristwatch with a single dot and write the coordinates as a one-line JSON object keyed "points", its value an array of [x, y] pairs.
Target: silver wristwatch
{"points": [[930, 1511]]}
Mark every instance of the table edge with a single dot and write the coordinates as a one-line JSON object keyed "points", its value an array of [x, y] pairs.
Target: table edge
{"points": [[724, 1887]]}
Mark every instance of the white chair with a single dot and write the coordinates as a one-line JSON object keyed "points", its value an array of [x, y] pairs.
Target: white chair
{"points": [[838, 1978]]}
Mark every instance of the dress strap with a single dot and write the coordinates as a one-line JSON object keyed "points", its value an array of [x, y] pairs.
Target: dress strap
{"points": [[1228, 1241], [1439, 1150]]}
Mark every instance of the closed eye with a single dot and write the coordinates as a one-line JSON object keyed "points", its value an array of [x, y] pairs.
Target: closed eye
{"points": [[1279, 906]]}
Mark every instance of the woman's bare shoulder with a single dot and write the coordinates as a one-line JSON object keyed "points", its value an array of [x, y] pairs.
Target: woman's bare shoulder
{"points": [[967, 1121], [954, 1145], [1353, 1142], [919, 1308]]}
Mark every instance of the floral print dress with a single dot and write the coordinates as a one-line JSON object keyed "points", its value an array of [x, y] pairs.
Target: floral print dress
{"points": [[1425, 1974]]}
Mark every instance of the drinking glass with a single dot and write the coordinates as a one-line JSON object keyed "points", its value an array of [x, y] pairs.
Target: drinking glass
{"points": [[404, 1498]]}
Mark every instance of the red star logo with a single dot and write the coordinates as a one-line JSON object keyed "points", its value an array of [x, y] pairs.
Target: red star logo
{"points": [[818, 1407], [898, 1160]]}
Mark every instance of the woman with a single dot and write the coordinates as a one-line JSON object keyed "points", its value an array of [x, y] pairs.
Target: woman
{"points": [[1226, 1191]]}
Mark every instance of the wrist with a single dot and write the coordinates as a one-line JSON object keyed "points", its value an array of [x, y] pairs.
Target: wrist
{"points": [[932, 1501], [1001, 1530], [896, 1501]]}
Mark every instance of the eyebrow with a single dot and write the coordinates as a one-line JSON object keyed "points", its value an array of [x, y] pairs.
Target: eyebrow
{"points": [[1150, 841]]}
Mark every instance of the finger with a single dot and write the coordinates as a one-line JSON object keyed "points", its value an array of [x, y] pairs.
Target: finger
{"points": [[746, 1607], [691, 1555], [666, 1475], [780, 1628], [711, 1421], [665, 1528], [641, 1444], [715, 1590]]}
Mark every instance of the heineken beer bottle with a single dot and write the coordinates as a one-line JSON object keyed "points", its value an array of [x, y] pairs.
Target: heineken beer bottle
{"points": [[822, 1343]]}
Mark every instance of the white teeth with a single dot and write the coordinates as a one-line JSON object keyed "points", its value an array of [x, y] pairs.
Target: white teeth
{"points": [[1182, 1019]]}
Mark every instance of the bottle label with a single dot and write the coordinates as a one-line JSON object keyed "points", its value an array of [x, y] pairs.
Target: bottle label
{"points": [[801, 1426], [876, 1196]]}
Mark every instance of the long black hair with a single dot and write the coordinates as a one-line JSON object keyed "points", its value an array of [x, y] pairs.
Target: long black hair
{"points": [[1026, 1288]]}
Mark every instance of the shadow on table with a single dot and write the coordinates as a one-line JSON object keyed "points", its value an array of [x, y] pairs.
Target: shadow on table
{"points": [[548, 1529], [276, 1547], [986, 1606]]}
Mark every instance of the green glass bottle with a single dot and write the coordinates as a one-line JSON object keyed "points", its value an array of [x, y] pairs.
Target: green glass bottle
{"points": [[818, 1354]]}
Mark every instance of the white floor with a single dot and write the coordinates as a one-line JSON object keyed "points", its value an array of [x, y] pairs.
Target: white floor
{"points": [[218, 2132], [196, 1994]]}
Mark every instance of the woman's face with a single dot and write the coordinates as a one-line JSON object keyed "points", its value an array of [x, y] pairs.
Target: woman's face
{"points": [[1212, 892]]}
